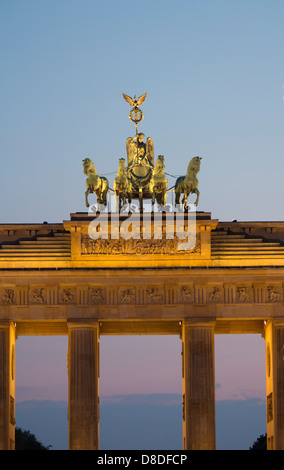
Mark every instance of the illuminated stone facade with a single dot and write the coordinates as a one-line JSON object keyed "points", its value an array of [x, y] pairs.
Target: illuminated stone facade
{"points": [[55, 280]]}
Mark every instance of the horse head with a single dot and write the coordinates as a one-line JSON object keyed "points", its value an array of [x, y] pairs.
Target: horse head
{"points": [[160, 163], [194, 164], [121, 166], [88, 166]]}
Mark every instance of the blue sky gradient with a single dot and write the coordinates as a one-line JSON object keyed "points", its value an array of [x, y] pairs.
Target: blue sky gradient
{"points": [[214, 75]]}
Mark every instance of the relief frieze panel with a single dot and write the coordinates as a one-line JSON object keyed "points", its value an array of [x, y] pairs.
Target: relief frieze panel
{"points": [[142, 294], [127, 295], [8, 296], [37, 295], [244, 294], [216, 294], [155, 295], [186, 293], [97, 295], [67, 295], [273, 294], [132, 246]]}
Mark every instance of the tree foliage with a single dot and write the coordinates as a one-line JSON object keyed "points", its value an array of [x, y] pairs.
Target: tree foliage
{"points": [[260, 443], [25, 440]]}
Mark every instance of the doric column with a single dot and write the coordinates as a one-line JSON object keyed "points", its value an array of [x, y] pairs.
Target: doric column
{"points": [[198, 385], [83, 372], [274, 342], [7, 386]]}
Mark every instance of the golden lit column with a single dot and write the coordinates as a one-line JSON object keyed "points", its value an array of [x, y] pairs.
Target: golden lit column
{"points": [[7, 386], [198, 385], [83, 373], [274, 344]]}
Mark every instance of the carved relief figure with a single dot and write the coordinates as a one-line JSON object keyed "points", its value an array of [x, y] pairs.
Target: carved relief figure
{"points": [[37, 296], [243, 294], [215, 294], [96, 295], [127, 296], [67, 296], [151, 247], [154, 296], [8, 297], [186, 293], [273, 295]]}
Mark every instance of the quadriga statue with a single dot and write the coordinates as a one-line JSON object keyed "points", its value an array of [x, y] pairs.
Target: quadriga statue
{"points": [[188, 184]]}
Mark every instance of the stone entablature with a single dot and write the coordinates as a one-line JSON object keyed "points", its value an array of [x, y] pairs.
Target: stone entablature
{"points": [[68, 245], [131, 289]]}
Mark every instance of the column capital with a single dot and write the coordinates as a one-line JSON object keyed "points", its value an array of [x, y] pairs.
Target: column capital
{"points": [[77, 323], [5, 323], [278, 323], [199, 323]]}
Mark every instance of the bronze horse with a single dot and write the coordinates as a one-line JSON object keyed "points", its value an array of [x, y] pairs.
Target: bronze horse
{"points": [[122, 186], [95, 183], [158, 183], [188, 184]]}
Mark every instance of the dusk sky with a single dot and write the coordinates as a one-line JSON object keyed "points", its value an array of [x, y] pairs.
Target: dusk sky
{"points": [[214, 77]]}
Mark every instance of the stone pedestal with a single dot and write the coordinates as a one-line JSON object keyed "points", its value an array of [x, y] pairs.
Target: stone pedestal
{"points": [[83, 371], [198, 386], [274, 339], [7, 386]]}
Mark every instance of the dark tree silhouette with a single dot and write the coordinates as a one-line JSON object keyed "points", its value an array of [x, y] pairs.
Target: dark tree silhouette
{"points": [[25, 440], [260, 443]]}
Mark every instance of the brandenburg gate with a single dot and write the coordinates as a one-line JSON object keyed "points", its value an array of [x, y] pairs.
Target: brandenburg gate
{"points": [[121, 273]]}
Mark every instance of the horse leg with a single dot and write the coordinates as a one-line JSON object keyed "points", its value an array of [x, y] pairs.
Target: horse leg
{"points": [[196, 191], [117, 202], [129, 202], [86, 197], [184, 201], [164, 195], [161, 201], [163, 198], [153, 198], [122, 200], [104, 197], [177, 199], [99, 199]]}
